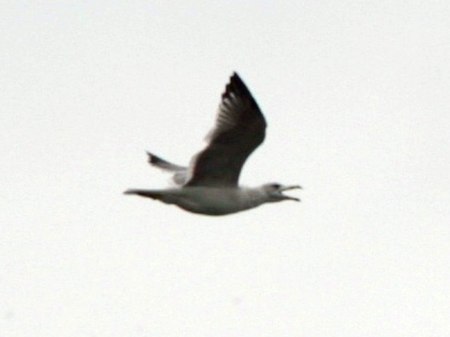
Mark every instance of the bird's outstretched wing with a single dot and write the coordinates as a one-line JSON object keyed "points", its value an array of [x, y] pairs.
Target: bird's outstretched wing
{"points": [[179, 173], [239, 130]]}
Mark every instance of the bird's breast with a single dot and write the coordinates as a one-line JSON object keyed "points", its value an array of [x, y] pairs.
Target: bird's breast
{"points": [[216, 201]]}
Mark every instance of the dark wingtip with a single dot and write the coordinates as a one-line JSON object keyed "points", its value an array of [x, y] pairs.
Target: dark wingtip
{"points": [[152, 159], [235, 75], [235, 79], [237, 86]]}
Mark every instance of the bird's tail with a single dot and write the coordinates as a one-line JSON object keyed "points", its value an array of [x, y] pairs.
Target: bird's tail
{"points": [[154, 194]]}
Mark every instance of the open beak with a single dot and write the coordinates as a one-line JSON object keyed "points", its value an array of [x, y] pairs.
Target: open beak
{"points": [[287, 188]]}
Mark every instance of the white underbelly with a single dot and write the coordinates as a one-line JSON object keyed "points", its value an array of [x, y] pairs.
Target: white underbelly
{"points": [[214, 201]]}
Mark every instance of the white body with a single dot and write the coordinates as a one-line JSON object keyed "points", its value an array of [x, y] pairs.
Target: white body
{"points": [[214, 200]]}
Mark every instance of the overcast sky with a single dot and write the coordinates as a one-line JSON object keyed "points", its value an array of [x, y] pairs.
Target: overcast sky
{"points": [[356, 95]]}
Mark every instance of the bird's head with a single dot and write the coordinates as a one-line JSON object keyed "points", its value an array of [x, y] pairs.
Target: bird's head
{"points": [[275, 191]]}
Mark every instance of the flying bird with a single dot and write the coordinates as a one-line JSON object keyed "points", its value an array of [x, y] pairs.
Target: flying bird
{"points": [[209, 185]]}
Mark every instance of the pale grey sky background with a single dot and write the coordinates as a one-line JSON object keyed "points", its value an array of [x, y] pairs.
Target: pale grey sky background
{"points": [[356, 94]]}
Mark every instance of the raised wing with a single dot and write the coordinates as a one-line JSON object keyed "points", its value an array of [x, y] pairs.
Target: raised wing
{"points": [[239, 130]]}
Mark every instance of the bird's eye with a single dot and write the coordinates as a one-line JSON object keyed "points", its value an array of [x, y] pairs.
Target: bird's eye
{"points": [[276, 186]]}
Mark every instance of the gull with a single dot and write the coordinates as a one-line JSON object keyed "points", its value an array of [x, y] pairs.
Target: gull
{"points": [[209, 185]]}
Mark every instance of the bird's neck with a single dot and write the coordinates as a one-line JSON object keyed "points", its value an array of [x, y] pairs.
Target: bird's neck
{"points": [[255, 196]]}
